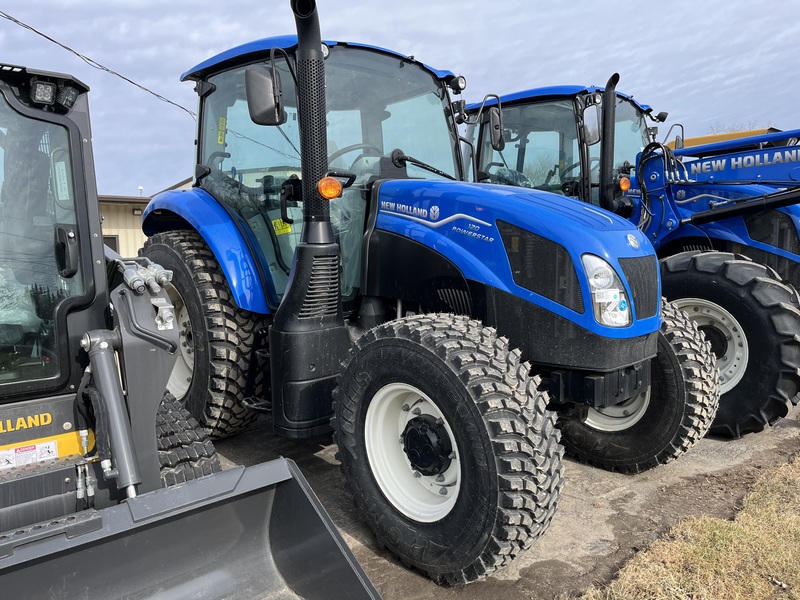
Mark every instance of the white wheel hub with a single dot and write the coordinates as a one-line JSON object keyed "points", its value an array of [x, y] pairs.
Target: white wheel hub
{"points": [[620, 416], [423, 498], [726, 336]]}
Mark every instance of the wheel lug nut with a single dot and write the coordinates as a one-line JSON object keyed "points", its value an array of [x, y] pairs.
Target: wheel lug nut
{"points": [[417, 474], [443, 491], [417, 411], [440, 478], [406, 408]]}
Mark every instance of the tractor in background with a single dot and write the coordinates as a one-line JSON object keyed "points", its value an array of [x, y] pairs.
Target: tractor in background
{"points": [[729, 251], [767, 157]]}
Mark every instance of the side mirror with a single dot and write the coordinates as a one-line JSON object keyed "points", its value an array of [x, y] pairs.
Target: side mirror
{"points": [[591, 124], [496, 129], [263, 88]]}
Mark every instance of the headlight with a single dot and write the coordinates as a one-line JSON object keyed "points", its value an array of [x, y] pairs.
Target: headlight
{"points": [[611, 306]]}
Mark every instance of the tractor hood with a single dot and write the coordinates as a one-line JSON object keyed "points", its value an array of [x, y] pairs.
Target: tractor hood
{"points": [[478, 227]]}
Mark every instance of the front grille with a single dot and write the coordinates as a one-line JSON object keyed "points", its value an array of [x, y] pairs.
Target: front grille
{"points": [[322, 294], [774, 228], [642, 276], [542, 266]]}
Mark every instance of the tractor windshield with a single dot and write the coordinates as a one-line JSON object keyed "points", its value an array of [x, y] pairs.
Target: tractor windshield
{"points": [[542, 147], [630, 138], [376, 103]]}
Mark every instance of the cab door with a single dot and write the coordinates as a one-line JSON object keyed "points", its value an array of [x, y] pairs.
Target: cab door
{"points": [[46, 287]]}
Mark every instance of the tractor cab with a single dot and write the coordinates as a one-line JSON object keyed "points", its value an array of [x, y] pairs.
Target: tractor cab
{"points": [[377, 103], [553, 137]]}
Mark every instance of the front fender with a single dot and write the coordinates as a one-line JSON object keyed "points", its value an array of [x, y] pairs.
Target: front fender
{"points": [[197, 209]]}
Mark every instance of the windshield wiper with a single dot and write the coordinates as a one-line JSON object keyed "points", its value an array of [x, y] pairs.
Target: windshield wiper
{"points": [[399, 159]]}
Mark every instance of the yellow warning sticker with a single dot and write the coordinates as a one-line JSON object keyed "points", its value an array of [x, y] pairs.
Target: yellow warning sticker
{"points": [[221, 130], [281, 227]]}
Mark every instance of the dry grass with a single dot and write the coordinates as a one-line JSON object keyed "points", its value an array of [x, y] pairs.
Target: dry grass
{"points": [[755, 556]]}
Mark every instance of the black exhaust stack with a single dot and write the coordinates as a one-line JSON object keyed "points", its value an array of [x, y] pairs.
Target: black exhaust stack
{"points": [[312, 114], [608, 198], [308, 339]]}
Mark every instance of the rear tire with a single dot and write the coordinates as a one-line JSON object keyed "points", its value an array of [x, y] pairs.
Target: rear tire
{"points": [[752, 320], [216, 336], [185, 452], [439, 402], [660, 425]]}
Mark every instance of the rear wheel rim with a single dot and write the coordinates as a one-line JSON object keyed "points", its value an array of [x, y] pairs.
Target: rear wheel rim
{"points": [[423, 498], [727, 338], [619, 417], [181, 377]]}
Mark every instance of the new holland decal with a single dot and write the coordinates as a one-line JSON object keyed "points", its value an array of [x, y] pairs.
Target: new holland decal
{"points": [[475, 228]]}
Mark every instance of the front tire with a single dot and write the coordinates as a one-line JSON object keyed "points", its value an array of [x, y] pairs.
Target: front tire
{"points": [[217, 337], [661, 424], [752, 320], [447, 446], [185, 452]]}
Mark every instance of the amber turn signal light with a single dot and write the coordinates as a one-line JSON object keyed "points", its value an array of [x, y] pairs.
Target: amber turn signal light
{"points": [[329, 188], [624, 184]]}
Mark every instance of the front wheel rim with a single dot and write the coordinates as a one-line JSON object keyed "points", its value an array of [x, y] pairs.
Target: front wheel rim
{"points": [[619, 417], [423, 498], [733, 350]]}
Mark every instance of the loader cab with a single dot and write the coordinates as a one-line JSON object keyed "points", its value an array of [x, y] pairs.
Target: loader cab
{"points": [[553, 140], [377, 102], [46, 269]]}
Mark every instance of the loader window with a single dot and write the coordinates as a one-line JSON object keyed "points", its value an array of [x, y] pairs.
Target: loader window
{"points": [[36, 204]]}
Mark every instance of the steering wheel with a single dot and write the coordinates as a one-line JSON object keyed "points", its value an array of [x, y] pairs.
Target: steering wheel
{"points": [[351, 147], [574, 165]]}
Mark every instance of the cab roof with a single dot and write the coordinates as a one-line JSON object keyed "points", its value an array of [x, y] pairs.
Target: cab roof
{"points": [[260, 49], [553, 91]]}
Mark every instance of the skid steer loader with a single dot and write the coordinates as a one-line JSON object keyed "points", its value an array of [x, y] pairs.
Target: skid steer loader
{"points": [[108, 487]]}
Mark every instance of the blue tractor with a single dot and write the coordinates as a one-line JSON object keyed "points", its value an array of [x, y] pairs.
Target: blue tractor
{"points": [[332, 269], [765, 157], [724, 245]]}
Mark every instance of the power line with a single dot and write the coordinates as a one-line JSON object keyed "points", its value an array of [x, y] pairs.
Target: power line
{"points": [[94, 64]]}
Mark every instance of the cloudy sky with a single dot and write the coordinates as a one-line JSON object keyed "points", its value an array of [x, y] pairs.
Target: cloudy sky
{"points": [[709, 63]]}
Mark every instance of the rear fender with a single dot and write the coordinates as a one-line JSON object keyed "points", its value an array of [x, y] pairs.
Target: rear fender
{"points": [[197, 209]]}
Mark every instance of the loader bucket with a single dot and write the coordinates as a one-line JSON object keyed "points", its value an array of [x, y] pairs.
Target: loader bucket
{"points": [[255, 532]]}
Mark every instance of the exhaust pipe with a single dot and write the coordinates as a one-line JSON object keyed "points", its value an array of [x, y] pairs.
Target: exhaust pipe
{"points": [[607, 192], [311, 109], [308, 339]]}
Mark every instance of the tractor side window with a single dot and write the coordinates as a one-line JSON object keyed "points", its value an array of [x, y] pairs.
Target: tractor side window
{"points": [[348, 152], [249, 164], [630, 133], [36, 205]]}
